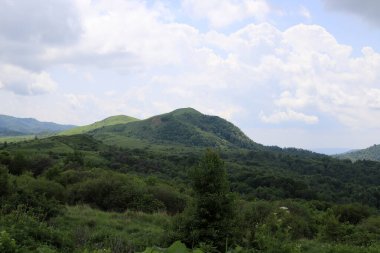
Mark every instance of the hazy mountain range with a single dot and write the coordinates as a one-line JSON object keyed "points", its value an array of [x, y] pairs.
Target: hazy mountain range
{"points": [[12, 126]]}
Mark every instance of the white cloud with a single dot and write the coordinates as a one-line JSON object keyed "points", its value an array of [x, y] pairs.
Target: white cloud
{"points": [[24, 82], [289, 115], [127, 36], [76, 101], [29, 28], [222, 13], [304, 66], [161, 63]]}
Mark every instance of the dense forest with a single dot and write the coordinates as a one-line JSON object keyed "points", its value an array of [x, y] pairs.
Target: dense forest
{"points": [[152, 191]]}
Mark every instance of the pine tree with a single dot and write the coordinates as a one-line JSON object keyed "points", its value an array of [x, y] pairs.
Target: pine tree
{"points": [[210, 218]]}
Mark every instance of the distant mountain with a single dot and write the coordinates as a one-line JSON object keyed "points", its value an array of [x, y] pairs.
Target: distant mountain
{"points": [[372, 153], [12, 126], [186, 127], [110, 121]]}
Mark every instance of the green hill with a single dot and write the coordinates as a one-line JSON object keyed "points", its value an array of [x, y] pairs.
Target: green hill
{"points": [[372, 153], [12, 126], [260, 172], [186, 127], [168, 145], [104, 191], [110, 121]]}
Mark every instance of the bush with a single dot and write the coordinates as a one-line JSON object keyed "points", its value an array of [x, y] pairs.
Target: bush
{"points": [[30, 233], [4, 185], [39, 197], [352, 213], [174, 201], [114, 192], [7, 244], [18, 164]]}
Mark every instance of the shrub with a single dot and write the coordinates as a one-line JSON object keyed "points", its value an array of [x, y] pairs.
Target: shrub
{"points": [[7, 244]]}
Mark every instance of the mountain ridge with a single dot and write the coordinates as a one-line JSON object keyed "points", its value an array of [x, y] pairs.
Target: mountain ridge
{"points": [[14, 126], [185, 126], [371, 153]]}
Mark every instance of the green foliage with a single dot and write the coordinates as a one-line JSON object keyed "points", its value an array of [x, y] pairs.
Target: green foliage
{"points": [[173, 201], [39, 163], [5, 158], [4, 184], [209, 220], [7, 244], [74, 160], [29, 232], [119, 232], [18, 164], [267, 173], [176, 247], [40, 197], [115, 192], [285, 200], [352, 213]]}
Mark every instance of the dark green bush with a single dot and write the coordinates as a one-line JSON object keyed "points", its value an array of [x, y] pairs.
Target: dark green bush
{"points": [[114, 191]]}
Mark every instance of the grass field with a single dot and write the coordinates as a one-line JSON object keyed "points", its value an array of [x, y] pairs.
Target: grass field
{"points": [[132, 230], [114, 120]]}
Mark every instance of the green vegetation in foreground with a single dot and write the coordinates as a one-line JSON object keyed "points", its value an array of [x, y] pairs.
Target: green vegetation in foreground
{"points": [[372, 153], [70, 207], [120, 232], [110, 121], [302, 246]]}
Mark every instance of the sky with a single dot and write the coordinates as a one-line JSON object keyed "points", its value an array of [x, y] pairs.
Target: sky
{"points": [[291, 73]]}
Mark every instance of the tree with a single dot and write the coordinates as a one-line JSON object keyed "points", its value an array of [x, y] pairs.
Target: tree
{"points": [[18, 164], [210, 217], [4, 185]]}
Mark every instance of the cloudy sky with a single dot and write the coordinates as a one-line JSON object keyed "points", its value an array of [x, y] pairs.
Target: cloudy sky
{"points": [[288, 73]]}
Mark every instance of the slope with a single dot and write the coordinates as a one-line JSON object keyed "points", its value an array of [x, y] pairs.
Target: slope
{"points": [[12, 126], [185, 127], [372, 153], [268, 173], [110, 121]]}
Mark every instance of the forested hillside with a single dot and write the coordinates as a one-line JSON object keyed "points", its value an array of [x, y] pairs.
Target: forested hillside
{"points": [[145, 184], [372, 153], [186, 127]]}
